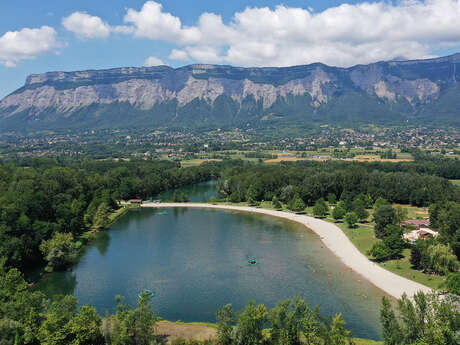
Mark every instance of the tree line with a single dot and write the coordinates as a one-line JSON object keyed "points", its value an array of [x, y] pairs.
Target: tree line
{"points": [[312, 181]]}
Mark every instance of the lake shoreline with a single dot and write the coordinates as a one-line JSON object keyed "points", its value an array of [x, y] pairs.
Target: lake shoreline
{"points": [[334, 239]]}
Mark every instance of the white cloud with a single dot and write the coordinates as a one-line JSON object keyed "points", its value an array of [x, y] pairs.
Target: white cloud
{"points": [[343, 35], [86, 26], [179, 55], [24, 44], [151, 22], [153, 61]]}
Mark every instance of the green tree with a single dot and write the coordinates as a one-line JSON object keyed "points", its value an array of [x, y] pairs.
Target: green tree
{"points": [[55, 329], [425, 319], [9, 331], [391, 246], [383, 216], [276, 204], [338, 212], [368, 201], [287, 321], [442, 259], [380, 251], [359, 207], [252, 194], [453, 283], [338, 334], [85, 327], [251, 323], [212, 200], [59, 251], [176, 196], [380, 202], [351, 219], [101, 218], [235, 197], [331, 198], [225, 323], [296, 204], [391, 332], [419, 253], [134, 326], [320, 209]]}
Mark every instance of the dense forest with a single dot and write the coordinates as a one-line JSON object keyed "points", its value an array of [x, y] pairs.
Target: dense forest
{"points": [[314, 180]]}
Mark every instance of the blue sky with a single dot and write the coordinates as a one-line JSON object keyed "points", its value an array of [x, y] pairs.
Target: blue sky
{"points": [[106, 34]]}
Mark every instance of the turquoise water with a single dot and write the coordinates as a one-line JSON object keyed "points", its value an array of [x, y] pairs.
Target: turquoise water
{"points": [[195, 261]]}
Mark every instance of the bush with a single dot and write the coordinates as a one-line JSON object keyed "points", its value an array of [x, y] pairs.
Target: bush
{"points": [[331, 198], [338, 212], [351, 219], [320, 209], [59, 251], [380, 251], [383, 216], [296, 204], [442, 259], [453, 283], [276, 204]]}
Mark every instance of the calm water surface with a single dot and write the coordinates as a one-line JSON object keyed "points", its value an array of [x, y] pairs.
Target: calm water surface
{"points": [[195, 261]]}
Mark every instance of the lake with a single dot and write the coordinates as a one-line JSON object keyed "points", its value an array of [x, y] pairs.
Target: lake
{"points": [[195, 260]]}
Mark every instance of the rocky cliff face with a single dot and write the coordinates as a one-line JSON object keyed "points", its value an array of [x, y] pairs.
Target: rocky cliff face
{"points": [[394, 90]]}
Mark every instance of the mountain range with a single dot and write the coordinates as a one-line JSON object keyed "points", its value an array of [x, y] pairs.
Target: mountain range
{"points": [[391, 92]]}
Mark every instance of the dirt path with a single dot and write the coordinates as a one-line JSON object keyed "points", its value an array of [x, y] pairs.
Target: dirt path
{"points": [[174, 330], [334, 239]]}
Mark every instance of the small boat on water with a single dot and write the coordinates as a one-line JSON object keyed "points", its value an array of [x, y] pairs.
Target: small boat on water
{"points": [[145, 291], [252, 262]]}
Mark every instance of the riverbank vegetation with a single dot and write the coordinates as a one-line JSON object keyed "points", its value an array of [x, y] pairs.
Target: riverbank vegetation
{"points": [[27, 317]]}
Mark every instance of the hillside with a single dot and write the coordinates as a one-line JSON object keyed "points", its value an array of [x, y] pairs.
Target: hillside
{"points": [[419, 91]]}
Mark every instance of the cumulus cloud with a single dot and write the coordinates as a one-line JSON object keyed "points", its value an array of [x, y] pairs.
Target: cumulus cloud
{"points": [[153, 61], [179, 55], [343, 35], [86, 26], [24, 44], [151, 22]]}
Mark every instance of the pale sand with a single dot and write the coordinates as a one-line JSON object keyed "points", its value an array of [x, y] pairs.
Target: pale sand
{"points": [[334, 239]]}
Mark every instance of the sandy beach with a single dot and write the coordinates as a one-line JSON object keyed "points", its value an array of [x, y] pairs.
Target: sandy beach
{"points": [[334, 239]]}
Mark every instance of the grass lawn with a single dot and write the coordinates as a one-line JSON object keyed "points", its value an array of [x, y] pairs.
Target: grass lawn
{"points": [[361, 236], [414, 212], [455, 182], [403, 268], [367, 342], [195, 162], [118, 213]]}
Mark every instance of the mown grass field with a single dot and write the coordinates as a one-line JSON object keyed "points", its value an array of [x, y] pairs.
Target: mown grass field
{"points": [[361, 155]]}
